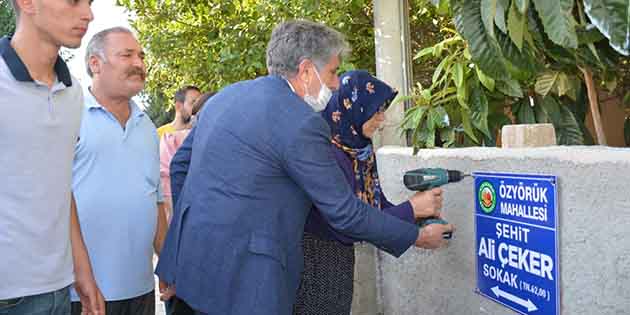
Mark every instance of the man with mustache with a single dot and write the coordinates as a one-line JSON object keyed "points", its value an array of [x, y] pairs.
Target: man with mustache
{"points": [[116, 176], [184, 100], [41, 248]]}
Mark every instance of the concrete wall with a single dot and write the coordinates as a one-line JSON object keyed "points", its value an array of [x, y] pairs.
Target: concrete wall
{"points": [[594, 214]]}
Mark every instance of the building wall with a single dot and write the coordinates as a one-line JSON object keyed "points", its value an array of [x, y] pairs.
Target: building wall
{"points": [[594, 214]]}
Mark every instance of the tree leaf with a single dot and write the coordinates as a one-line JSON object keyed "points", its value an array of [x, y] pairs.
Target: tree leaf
{"points": [[488, 13], [562, 84], [545, 82], [413, 117], [525, 113], [510, 87], [439, 68], [462, 95], [523, 64], [499, 19], [567, 129], [439, 116], [517, 26], [447, 135], [522, 6], [479, 110], [612, 18], [458, 74], [468, 128], [558, 21], [485, 51], [438, 49], [542, 117], [487, 81], [443, 7], [552, 108], [424, 52], [589, 35]]}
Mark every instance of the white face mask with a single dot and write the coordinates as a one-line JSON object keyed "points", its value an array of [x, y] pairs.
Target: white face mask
{"points": [[318, 104]]}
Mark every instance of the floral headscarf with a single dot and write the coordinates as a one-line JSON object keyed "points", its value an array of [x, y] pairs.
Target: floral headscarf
{"points": [[359, 97]]}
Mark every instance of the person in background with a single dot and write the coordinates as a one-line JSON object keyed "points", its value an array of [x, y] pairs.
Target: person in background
{"points": [[354, 114], [116, 176], [257, 159], [184, 100], [169, 143], [42, 251]]}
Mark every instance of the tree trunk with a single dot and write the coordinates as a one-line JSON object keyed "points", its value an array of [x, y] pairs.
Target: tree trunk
{"points": [[594, 105]]}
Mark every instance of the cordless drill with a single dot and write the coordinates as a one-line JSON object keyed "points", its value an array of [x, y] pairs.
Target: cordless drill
{"points": [[428, 178]]}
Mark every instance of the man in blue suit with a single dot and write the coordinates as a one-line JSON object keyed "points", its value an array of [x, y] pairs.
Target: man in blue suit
{"points": [[246, 176]]}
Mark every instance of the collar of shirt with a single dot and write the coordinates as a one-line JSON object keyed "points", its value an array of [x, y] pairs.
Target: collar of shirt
{"points": [[19, 70], [92, 103], [135, 116], [290, 85]]}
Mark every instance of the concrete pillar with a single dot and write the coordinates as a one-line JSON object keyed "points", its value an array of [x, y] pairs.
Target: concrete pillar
{"points": [[393, 66], [393, 61]]}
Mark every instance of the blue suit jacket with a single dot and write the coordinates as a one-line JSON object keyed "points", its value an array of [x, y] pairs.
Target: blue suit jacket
{"points": [[256, 161]]}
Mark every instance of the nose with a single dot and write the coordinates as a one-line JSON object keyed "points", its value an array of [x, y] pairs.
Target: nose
{"points": [[86, 11], [138, 62]]}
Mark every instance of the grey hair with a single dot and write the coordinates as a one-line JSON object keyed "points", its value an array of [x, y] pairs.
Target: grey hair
{"points": [[293, 41], [96, 46]]}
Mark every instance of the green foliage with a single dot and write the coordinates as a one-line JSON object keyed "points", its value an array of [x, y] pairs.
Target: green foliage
{"points": [[612, 18], [526, 56], [215, 43], [557, 17], [7, 20], [485, 51]]}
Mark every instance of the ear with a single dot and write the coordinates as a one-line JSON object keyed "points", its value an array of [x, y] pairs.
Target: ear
{"points": [[26, 7], [304, 70], [95, 64], [179, 106]]}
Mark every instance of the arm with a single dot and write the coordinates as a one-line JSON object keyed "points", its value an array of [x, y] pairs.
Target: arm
{"points": [[85, 285], [403, 211], [165, 160], [310, 163], [160, 233], [317, 225], [179, 166]]}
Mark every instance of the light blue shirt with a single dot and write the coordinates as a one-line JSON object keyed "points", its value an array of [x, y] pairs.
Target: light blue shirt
{"points": [[116, 185]]}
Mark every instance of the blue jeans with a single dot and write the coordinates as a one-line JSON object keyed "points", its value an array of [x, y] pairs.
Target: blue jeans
{"points": [[51, 303]]}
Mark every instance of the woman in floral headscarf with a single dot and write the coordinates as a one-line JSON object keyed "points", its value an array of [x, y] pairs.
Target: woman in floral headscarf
{"points": [[354, 113]]}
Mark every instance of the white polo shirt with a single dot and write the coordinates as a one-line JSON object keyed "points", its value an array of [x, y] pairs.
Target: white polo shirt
{"points": [[39, 128]]}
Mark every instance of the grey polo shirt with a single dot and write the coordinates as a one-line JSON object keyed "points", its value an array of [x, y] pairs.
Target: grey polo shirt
{"points": [[39, 128]]}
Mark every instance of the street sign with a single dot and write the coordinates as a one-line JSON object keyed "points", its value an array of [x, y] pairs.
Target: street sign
{"points": [[516, 226]]}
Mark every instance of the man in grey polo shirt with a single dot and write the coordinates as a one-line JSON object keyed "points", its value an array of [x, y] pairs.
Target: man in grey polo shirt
{"points": [[40, 238]]}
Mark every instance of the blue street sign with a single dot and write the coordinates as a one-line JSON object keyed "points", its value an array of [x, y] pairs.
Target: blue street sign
{"points": [[516, 225]]}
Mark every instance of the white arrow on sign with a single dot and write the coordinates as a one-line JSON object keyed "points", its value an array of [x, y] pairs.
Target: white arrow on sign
{"points": [[527, 304]]}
